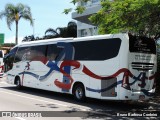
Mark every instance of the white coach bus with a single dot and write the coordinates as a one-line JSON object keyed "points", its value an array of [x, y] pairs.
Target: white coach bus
{"points": [[108, 67]]}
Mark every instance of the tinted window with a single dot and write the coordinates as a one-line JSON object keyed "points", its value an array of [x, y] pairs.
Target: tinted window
{"points": [[22, 54], [97, 49], [1, 54], [38, 53], [53, 52], [31, 53], [142, 45]]}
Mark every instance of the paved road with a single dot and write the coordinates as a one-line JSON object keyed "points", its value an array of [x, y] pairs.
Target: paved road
{"points": [[31, 104]]}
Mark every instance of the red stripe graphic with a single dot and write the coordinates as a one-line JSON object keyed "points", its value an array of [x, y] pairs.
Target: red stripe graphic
{"points": [[85, 70]]}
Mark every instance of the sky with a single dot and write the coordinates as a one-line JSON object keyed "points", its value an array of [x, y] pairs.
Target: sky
{"points": [[46, 14]]}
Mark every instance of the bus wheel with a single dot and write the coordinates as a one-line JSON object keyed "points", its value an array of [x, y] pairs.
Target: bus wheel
{"points": [[79, 92], [18, 83]]}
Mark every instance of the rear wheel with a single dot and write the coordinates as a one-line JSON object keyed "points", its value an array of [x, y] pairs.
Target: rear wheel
{"points": [[79, 92], [18, 83]]}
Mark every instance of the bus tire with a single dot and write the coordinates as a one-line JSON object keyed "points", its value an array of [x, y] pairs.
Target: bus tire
{"points": [[18, 83], [79, 92]]}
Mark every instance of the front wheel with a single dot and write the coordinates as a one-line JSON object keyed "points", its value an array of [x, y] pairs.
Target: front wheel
{"points": [[18, 83], [79, 93]]}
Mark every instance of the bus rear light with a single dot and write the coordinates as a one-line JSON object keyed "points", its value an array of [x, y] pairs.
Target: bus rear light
{"points": [[125, 81], [2, 69]]}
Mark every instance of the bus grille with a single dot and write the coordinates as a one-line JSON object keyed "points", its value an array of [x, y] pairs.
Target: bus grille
{"points": [[142, 66]]}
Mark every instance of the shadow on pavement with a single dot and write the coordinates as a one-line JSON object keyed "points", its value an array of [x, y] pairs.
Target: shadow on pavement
{"points": [[99, 109]]}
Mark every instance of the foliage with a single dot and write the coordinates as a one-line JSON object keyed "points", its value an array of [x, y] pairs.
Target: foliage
{"points": [[72, 29], [13, 13], [78, 9], [51, 33], [137, 16], [66, 11], [29, 38], [69, 31]]}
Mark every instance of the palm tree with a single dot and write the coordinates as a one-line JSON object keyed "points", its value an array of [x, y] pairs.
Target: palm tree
{"points": [[62, 31], [69, 31], [54, 33], [51, 33], [28, 38], [72, 29], [14, 13]]}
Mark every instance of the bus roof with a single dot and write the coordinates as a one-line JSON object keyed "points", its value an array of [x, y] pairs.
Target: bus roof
{"points": [[119, 35], [44, 41], [55, 40]]}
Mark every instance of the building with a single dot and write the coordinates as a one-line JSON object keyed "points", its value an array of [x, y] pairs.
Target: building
{"points": [[84, 26]]}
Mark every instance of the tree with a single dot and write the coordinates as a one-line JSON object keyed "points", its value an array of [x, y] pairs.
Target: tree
{"points": [[62, 31], [141, 17], [137, 16], [79, 9], [14, 13], [69, 31], [51, 33], [72, 29], [28, 38]]}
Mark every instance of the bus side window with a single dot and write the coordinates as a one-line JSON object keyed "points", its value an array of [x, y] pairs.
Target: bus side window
{"points": [[53, 52], [22, 54], [38, 53]]}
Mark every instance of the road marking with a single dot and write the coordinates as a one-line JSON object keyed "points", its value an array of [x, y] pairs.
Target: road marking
{"points": [[3, 83], [19, 118], [83, 109], [35, 99]]}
